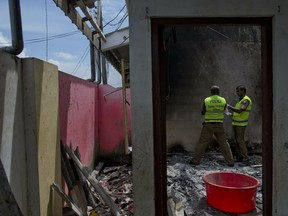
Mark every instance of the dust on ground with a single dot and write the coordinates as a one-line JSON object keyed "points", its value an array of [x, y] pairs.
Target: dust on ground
{"points": [[184, 181]]}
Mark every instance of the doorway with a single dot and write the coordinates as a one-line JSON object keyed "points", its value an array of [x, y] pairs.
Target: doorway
{"points": [[161, 90]]}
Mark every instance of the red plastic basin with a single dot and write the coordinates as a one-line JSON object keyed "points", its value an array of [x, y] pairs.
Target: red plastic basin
{"points": [[231, 192]]}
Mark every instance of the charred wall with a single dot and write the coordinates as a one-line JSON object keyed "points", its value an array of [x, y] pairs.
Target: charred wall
{"points": [[202, 56]]}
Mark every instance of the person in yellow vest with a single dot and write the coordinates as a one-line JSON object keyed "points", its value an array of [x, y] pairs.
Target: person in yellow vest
{"points": [[240, 118], [213, 110]]}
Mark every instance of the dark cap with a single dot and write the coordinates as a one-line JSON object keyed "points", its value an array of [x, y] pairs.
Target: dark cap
{"points": [[215, 90]]}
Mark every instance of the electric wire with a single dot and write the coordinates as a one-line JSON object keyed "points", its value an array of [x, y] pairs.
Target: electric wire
{"points": [[42, 39], [46, 11], [85, 71], [81, 60], [115, 16], [121, 20]]}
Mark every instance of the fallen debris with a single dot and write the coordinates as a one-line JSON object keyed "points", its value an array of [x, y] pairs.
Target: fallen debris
{"points": [[187, 181], [100, 190], [74, 207], [117, 180], [112, 185], [186, 189]]}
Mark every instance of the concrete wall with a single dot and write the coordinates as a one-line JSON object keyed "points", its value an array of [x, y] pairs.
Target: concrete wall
{"points": [[91, 118], [199, 57], [41, 112], [34, 100], [111, 121], [79, 116], [140, 14], [29, 133], [12, 142]]}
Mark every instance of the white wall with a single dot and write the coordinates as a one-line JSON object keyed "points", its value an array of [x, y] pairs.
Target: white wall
{"points": [[140, 13]]}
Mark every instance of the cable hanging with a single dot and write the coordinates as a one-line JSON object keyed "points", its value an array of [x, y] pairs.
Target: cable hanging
{"points": [[81, 60], [43, 39], [115, 16], [46, 12]]}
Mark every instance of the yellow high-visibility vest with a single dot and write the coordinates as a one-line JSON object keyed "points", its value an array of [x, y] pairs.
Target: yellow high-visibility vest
{"points": [[214, 108], [241, 119]]}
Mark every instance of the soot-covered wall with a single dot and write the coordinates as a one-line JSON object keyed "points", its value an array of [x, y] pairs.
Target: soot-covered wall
{"points": [[199, 57]]}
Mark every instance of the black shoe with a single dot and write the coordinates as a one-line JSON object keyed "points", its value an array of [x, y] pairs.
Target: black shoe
{"points": [[245, 163], [238, 159], [231, 165], [193, 163]]}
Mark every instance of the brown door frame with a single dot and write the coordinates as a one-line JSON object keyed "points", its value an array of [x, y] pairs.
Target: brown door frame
{"points": [[159, 67]]}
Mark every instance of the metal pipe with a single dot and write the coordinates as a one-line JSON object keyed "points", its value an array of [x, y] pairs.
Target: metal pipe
{"points": [[16, 28], [92, 63], [98, 54], [98, 59], [104, 71]]}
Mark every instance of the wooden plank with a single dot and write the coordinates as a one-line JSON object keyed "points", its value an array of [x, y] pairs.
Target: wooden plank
{"points": [[86, 190], [98, 169], [59, 190], [94, 182], [75, 188]]}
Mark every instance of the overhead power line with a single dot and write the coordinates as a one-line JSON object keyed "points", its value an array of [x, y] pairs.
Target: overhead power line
{"points": [[46, 12], [122, 21], [42, 39], [115, 16], [81, 60]]}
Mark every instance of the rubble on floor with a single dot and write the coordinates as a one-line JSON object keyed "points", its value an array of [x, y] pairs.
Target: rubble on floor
{"points": [[117, 181], [184, 182], [110, 185]]}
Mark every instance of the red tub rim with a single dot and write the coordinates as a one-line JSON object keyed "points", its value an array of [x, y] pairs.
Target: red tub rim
{"points": [[232, 188]]}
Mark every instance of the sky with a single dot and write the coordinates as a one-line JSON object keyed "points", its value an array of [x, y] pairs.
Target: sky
{"points": [[66, 46]]}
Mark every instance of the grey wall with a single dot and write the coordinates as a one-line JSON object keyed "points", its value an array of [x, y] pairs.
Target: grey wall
{"points": [[140, 14], [29, 133], [200, 57], [12, 138]]}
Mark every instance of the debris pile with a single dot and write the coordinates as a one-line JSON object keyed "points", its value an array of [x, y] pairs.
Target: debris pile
{"points": [[108, 189], [117, 181], [185, 185], [186, 181]]}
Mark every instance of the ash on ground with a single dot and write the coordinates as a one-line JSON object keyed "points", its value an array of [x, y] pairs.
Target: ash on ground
{"points": [[186, 183]]}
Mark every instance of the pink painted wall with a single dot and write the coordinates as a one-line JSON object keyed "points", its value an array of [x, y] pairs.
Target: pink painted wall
{"points": [[91, 117], [79, 115], [111, 121]]}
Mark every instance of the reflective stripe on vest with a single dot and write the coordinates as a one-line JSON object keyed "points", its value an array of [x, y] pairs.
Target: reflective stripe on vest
{"points": [[214, 108], [241, 119]]}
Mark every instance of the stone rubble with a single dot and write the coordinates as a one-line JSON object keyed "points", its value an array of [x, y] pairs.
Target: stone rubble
{"points": [[184, 182]]}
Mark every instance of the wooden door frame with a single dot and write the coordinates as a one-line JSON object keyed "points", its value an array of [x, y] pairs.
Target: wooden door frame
{"points": [[159, 106]]}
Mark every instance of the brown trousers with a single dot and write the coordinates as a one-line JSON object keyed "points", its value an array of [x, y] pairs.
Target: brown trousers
{"points": [[207, 132], [239, 133]]}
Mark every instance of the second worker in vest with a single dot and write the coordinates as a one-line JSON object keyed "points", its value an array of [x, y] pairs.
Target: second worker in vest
{"points": [[213, 110], [240, 118]]}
